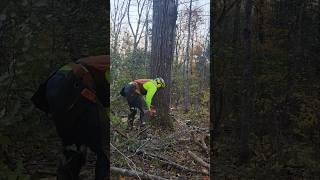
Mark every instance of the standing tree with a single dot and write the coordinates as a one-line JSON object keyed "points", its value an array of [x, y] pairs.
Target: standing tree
{"points": [[247, 96], [162, 48], [186, 65]]}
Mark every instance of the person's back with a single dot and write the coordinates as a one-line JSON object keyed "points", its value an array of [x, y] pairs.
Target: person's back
{"points": [[134, 92], [76, 94]]}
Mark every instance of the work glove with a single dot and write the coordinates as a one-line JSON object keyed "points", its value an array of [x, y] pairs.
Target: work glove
{"points": [[151, 112]]}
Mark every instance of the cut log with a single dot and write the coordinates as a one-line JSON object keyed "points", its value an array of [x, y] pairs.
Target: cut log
{"points": [[199, 160], [130, 173]]}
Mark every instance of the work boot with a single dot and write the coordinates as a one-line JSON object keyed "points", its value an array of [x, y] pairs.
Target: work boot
{"points": [[130, 124], [142, 122], [131, 117], [70, 165], [142, 118]]}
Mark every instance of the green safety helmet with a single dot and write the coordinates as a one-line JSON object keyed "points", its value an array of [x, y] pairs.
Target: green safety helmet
{"points": [[160, 82]]}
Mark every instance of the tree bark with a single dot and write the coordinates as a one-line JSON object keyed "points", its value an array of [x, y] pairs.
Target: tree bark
{"points": [[186, 65], [163, 40], [247, 96], [146, 39]]}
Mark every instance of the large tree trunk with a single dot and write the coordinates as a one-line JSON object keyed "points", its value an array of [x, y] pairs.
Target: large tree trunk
{"points": [[163, 40], [236, 42], [247, 101], [186, 65]]}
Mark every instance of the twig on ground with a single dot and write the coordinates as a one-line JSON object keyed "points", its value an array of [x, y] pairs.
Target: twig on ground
{"points": [[138, 149], [198, 159], [176, 165], [200, 142], [142, 131], [204, 145], [130, 173], [127, 160], [47, 172], [118, 131]]}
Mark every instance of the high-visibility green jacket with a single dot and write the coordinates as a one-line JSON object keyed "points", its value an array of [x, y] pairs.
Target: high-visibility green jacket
{"points": [[147, 87]]}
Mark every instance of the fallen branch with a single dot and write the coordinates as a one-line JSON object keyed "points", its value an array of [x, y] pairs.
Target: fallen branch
{"points": [[204, 145], [199, 160], [184, 141], [130, 173], [200, 142], [174, 164], [142, 131], [118, 131], [46, 172], [199, 129], [127, 160]]}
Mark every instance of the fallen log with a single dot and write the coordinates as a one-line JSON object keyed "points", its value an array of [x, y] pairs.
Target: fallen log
{"points": [[199, 160], [174, 164], [130, 173]]}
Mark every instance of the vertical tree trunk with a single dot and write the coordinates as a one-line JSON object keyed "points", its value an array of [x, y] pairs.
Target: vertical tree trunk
{"points": [[146, 41], [213, 125], [247, 101], [53, 31], [163, 40], [186, 65], [261, 22], [215, 92], [235, 102], [191, 52]]}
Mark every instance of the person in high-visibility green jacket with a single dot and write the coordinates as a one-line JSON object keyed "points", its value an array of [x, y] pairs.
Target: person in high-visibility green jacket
{"points": [[135, 91]]}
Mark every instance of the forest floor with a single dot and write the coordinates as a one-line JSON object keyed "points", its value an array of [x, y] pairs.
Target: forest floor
{"points": [[182, 153], [150, 151]]}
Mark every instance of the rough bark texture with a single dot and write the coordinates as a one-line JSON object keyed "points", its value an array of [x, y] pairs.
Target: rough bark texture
{"points": [[247, 96], [163, 40], [186, 101]]}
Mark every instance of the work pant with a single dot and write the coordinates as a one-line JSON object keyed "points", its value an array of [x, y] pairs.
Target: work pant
{"points": [[135, 101], [78, 122]]}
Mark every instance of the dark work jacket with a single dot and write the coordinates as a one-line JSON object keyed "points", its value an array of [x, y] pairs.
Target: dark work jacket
{"points": [[98, 66]]}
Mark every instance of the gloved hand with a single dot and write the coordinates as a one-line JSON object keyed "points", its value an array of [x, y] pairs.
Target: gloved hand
{"points": [[151, 112]]}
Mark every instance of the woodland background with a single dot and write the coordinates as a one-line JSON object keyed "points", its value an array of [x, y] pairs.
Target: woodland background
{"points": [[169, 39], [265, 103], [266, 89], [37, 37]]}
